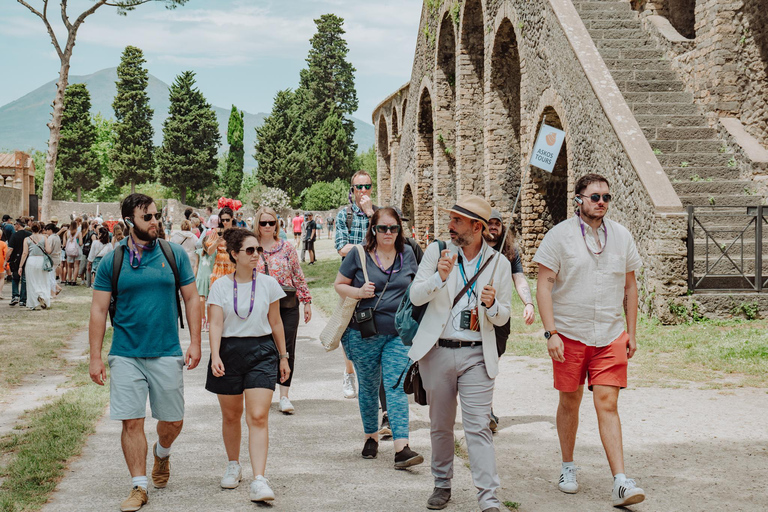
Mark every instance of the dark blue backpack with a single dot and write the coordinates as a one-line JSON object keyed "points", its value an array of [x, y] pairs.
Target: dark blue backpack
{"points": [[408, 316]]}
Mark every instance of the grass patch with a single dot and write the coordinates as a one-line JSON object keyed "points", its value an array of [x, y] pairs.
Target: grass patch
{"points": [[31, 341], [320, 278], [48, 438], [512, 505]]}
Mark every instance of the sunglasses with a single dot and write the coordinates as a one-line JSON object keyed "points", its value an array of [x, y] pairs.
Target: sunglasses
{"points": [[263, 223], [596, 197], [226, 219], [381, 228], [249, 250], [148, 216], [366, 186]]}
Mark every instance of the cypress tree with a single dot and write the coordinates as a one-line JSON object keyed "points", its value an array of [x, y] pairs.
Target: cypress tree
{"points": [[132, 156], [233, 176], [78, 163], [328, 151], [188, 156]]}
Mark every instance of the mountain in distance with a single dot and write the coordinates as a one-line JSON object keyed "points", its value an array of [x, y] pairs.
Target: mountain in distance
{"points": [[23, 122]]}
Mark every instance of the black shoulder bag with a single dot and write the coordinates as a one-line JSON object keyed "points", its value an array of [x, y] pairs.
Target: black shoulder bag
{"points": [[366, 318]]}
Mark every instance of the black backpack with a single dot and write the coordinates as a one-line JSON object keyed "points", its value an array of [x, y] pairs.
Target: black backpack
{"points": [[117, 265], [87, 242]]}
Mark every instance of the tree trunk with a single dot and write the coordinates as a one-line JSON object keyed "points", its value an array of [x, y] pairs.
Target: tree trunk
{"points": [[183, 195], [79, 196], [54, 125]]}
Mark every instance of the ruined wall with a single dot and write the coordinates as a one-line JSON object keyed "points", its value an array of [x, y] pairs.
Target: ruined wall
{"points": [[726, 65], [11, 201], [529, 73]]}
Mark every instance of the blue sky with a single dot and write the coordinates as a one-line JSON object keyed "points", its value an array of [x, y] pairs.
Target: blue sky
{"points": [[242, 51]]}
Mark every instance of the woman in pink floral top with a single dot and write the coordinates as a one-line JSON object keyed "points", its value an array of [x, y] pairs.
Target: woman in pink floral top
{"points": [[282, 263]]}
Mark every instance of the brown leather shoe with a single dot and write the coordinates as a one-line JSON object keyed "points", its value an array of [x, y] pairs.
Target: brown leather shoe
{"points": [[137, 499], [439, 499], [161, 470]]}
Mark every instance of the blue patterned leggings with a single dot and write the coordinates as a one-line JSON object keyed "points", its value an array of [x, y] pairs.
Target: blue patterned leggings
{"points": [[374, 357]]}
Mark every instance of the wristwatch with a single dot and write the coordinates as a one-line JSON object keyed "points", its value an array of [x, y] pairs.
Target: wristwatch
{"points": [[284, 356], [549, 334]]}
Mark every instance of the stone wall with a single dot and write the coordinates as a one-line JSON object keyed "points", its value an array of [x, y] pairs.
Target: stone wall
{"points": [[726, 65], [515, 68], [11, 201]]}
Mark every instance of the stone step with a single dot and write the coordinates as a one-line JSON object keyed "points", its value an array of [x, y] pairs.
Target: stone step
{"points": [[651, 86], [637, 64], [695, 160], [606, 24], [670, 121], [600, 34], [677, 109], [720, 200], [726, 267], [680, 133], [731, 187], [659, 97], [687, 146], [608, 15], [702, 173], [624, 43], [603, 6], [700, 249], [640, 53], [656, 75]]}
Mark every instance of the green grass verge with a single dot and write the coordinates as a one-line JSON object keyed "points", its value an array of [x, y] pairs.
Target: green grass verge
{"points": [[320, 278], [37, 454]]}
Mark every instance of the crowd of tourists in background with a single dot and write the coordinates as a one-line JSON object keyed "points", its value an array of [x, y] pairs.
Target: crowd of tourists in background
{"points": [[432, 318]]}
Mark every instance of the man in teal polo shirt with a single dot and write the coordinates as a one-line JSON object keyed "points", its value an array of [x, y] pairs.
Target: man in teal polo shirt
{"points": [[146, 357]]}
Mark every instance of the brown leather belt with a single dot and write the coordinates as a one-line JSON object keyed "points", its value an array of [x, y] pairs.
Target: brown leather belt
{"points": [[457, 344]]}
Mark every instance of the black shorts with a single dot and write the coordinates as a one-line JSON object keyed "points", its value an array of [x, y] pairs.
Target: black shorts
{"points": [[309, 245], [296, 233], [248, 363]]}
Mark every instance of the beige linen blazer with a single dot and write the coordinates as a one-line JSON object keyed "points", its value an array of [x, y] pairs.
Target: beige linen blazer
{"points": [[441, 299]]}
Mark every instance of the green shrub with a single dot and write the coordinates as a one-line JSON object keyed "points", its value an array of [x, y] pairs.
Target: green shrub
{"points": [[325, 196]]}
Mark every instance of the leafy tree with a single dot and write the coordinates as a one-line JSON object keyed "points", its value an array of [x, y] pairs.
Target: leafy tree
{"points": [[187, 158], [328, 151], [64, 52], [233, 177], [78, 162], [132, 156], [327, 89], [279, 149], [325, 196]]}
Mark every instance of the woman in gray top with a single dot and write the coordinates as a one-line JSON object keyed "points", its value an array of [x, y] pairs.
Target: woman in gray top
{"points": [[53, 248]]}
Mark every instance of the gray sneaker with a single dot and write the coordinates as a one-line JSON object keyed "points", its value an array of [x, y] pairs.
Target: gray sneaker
{"points": [[232, 476]]}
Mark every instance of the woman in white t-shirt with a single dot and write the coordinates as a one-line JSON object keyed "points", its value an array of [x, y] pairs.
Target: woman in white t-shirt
{"points": [[247, 348]]}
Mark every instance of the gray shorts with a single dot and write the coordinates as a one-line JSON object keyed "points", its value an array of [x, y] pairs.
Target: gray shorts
{"points": [[133, 378]]}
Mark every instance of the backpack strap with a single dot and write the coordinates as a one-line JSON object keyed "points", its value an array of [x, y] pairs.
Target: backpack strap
{"points": [[117, 265], [168, 253], [349, 219]]}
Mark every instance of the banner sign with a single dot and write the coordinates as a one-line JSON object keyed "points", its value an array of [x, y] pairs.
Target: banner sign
{"points": [[547, 147]]}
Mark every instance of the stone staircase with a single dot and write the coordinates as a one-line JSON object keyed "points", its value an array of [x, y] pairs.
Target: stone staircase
{"points": [[700, 166]]}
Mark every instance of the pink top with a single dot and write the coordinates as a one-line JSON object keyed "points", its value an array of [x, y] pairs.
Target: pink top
{"points": [[284, 266], [297, 220]]}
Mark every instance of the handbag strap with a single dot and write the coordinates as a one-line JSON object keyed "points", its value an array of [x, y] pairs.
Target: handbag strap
{"points": [[471, 282], [363, 264], [266, 265], [389, 276]]}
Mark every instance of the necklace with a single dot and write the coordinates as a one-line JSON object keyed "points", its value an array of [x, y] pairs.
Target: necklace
{"points": [[584, 236], [391, 270], [253, 294]]}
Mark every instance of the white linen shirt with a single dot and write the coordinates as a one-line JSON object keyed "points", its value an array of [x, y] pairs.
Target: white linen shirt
{"points": [[588, 293], [268, 290]]}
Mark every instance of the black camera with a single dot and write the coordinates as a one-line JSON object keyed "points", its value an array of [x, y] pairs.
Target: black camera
{"points": [[465, 320]]}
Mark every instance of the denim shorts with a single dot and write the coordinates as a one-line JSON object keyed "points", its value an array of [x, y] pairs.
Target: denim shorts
{"points": [[133, 378]]}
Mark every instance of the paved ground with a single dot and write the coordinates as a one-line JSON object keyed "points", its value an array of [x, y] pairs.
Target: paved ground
{"points": [[690, 449]]}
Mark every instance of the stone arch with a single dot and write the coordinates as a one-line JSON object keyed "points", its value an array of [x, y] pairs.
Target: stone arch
{"points": [[445, 123], [408, 206], [682, 16], [470, 100], [545, 198], [425, 164], [402, 109], [393, 123], [503, 125], [384, 173]]}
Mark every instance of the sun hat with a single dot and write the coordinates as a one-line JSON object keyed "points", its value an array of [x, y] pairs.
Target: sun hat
{"points": [[472, 207]]}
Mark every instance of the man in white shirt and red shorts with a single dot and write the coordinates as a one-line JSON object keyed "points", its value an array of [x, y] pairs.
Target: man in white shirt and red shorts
{"points": [[587, 270]]}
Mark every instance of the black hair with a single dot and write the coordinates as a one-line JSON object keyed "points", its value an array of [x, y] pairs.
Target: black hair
{"points": [[188, 212], [370, 235], [587, 180], [133, 201], [224, 211], [235, 238], [103, 233], [51, 227]]}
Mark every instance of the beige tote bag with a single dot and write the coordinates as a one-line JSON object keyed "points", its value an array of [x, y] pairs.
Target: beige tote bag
{"points": [[342, 315]]}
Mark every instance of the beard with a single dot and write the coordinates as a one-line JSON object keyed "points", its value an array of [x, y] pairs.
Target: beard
{"points": [[594, 215], [462, 239], [491, 237], [144, 235]]}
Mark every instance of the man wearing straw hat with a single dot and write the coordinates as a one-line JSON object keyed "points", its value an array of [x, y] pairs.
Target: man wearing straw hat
{"points": [[456, 346]]}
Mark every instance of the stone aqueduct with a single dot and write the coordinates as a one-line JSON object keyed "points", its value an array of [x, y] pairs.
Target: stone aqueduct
{"points": [[486, 74]]}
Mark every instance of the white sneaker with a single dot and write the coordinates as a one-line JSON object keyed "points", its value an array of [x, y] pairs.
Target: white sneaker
{"points": [[260, 490], [627, 493], [232, 477], [286, 407], [568, 483], [348, 385]]}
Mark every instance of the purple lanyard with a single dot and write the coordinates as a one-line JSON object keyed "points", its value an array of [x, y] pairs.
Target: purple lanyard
{"points": [[392, 269], [584, 236], [253, 294], [134, 254]]}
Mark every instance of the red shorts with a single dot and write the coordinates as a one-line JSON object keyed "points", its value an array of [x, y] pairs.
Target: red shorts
{"points": [[606, 366]]}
